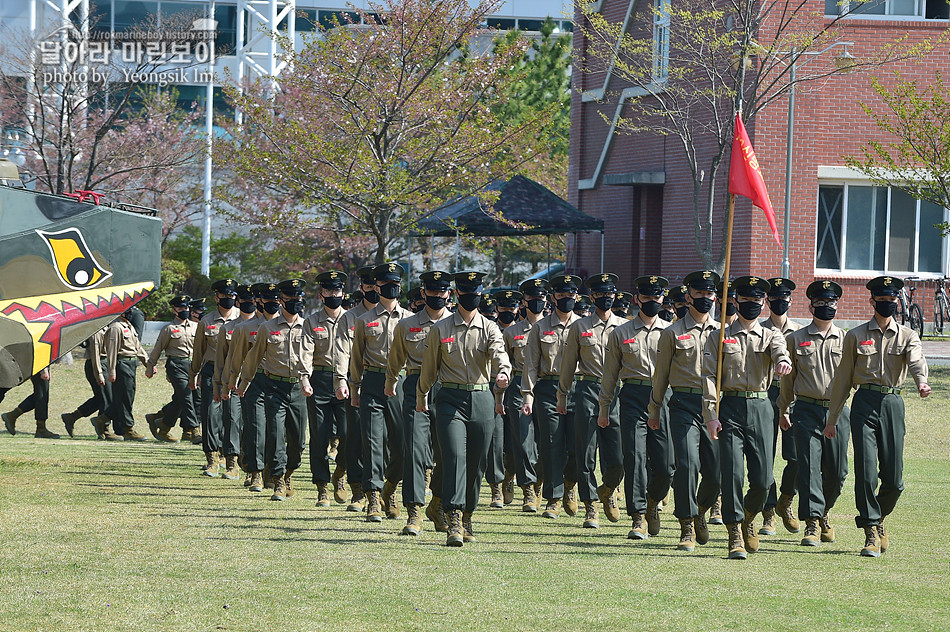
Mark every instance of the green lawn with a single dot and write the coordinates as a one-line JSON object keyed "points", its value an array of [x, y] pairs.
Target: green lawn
{"points": [[104, 536]]}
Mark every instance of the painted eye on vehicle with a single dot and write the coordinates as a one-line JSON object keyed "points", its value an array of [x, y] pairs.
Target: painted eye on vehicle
{"points": [[72, 259]]}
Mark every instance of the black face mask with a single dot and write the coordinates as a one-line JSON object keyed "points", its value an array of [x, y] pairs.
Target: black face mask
{"points": [[666, 315], [778, 306], [566, 304], [415, 308], [681, 311], [184, 314], [619, 312], [271, 307], [507, 317], [389, 290], [703, 304], [885, 308], [332, 302], [523, 312], [604, 303], [731, 309], [469, 302], [435, 302], [226, 303], [371, 297], [492, 316], [248, 307], [750, 310], [196, 315], [825, 312], [650, 308], [536, 305], [294, 305]]}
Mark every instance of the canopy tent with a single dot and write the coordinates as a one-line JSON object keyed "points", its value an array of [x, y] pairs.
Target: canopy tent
{"points": [[532, 207]]}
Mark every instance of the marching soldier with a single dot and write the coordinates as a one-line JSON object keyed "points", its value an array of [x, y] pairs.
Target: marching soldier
{"points": [[101, 388], [630, 357], [502, 468], [417, 301], [38, 402], [582, 362], [677, 296], [726, 292], [419, 442], [462, 353], [123, 353], [667, 313], [622, 304], [325, 412], [582, 306], [539, 387], [285, 354], [495, 469], [678, 366], [176, 340], [875, 359], [741, 418], [487, 307], [823, 463], [780, 298]]}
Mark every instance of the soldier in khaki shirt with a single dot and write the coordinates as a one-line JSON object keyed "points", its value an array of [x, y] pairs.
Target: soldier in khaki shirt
{"points": [[326, 413], [419, 442], [463, 352], [353, 452], [176, 340], [679, 358], [815, 352], [630, 358], [582, 359], [123, 353], [779, 300], [738, 413], [501, 470], [875, 359], [286, 356], [101, 388], [542, 373]]}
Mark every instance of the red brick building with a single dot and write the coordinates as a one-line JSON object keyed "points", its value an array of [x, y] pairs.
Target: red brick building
{"points": [[841, 227]]}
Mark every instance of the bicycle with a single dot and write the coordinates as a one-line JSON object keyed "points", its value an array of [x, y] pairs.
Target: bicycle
{"points": [[941, 307], [909, 310]]}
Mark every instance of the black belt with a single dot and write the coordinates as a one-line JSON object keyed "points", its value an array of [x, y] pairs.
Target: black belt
{"points": [[691, 391], [887, 390], [281, 378], [824, 403], [465, 387], [746, 394]]}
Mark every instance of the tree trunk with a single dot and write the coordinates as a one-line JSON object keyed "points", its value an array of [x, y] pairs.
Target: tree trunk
{"points": [[499, 261], [383, 239]]}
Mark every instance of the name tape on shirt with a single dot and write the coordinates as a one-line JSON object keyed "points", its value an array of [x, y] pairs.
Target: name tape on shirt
{"points": [[629, 341], [731, 341], [319, 328], [211, 327], [548, 333], [867, 343], [230, 331], [450, 339], [176, 331], [415, 330], [519, 337], [253, 333], [375, 323], [807, 343], [684, 337], [275, 333], [587, 334]]}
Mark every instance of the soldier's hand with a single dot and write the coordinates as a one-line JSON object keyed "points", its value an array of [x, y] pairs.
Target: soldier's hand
{"points": [[112, 379], [44, 374], [102, 382], [306, 388], [343, 392], [193, 384], [499, 409], [389, 391], [653, 424], [502, 380], [216, 397], [149, 372], [526, 409], [225, 396], [561, 409], [923, 390], [785, 423], [239, 391], [714, 427], [422, 406], [783, 368], [830, 431], [603, 422]]}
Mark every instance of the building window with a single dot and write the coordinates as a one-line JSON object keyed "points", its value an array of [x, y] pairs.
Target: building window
{"points": [[661, 40], [864, 228], [927, 9]]}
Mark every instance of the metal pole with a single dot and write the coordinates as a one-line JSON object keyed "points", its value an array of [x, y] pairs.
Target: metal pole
{"points": [[790, 132], [601, 251], [209, 131]]}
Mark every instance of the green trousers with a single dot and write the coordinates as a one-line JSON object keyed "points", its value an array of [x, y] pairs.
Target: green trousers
{"points": [[555, 439], [123, 395], [465, 420], [101, 395], [745, 440], [788, 484], [380, 422], [285, 409], [253, 434], [420, 445], [822, 462], [647, 454], [232, 422], [523, 430], [696, 455], [212, 421], [353, 450], [589, 438], [326, 416], [182, 405], [877, 434]]}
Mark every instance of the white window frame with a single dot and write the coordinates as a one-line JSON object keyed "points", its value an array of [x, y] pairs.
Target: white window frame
{"points": [[919, 12], [842, 238], [661, 40]]}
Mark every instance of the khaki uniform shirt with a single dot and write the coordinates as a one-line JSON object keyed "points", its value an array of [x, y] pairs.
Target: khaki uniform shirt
{"points": [[748, 360], [409, 343], [542, 354], [456, 353], [679, 358], [630, 355], [281, 349], [789, 326], [516, 340], [243, 338], [583, 352], [321, 328], [222, 351], [872, 356], [815, 360], [372, 339], [344, 342], [95, 351], [176, 339], [206, 337], [121, 341]]}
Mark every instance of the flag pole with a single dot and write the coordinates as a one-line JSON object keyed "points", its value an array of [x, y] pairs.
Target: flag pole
{"points": [[725, 292]]}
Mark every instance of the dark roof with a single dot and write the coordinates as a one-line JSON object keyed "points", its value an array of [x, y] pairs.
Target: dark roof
{"points": [[521, 200]]}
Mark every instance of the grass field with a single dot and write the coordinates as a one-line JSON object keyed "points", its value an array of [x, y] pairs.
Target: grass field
{"points": [[113, 536]]}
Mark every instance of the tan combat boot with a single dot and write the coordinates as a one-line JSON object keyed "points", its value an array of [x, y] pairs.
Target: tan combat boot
{"points": [[538, 485], [374, 512], [211, 466], [165, 434], [570, 498], [288, 484], [812, 532], [436, 515], [334, 449], [827, 531], [665, 503], [497, 501], [530, 504], [687, 536], [107, 433], [749, 534], [357, 498], [232, 470], [268, 479], [339, 486], [468, 534], [701, 531], [69, 421], [638, 530], [784, 509], [508, 488], [872, 545], [413, 520], [553, 509], [248, 477], [736, 549], [653, 517], [591, 519], [428, 477], [257, 482], [768, 522], [608, 496], [132, 435], [9, 419], [152, 420], [388, 498], [715, 512], [280, 491], [99, 425], [42, 432], [323, 495], [454, 535], [882, 536], [193, 435]]}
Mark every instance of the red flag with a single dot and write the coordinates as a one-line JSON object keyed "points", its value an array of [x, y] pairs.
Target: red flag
{"points": [[745, 178]]}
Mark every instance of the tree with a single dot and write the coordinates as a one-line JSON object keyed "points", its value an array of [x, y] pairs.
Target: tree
{"points": [[917, 160], [692, 66], [374, 128]]}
